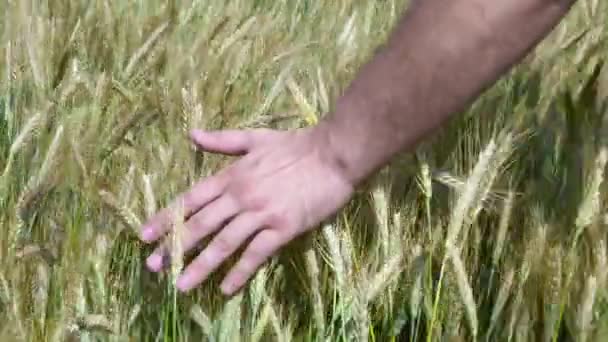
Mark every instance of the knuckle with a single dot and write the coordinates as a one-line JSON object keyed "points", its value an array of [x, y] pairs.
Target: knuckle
{"points": [[247, 197], [255, 202], [223, 244], [195, 222], [187, 200], [200, 264], [224, 176], [243, 186], [243, 268], [275, 218], [254, 253]]}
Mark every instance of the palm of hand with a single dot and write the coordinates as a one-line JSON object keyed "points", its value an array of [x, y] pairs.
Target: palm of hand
{"points": [[282, 186]]}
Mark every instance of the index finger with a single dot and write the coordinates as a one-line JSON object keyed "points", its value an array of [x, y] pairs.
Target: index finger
{"points": [[190, 202]]}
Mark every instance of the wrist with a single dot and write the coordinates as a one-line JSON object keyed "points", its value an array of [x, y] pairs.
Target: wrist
{"points": [[341, 147], [331, 155]]}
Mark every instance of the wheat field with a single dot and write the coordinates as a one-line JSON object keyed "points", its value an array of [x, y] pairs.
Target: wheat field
{"points": [[495, 229]]}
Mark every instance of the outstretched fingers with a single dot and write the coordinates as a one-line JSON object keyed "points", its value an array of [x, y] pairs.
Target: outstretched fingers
{"points": [[261, 248], [200, 225], [219, 249], [187, 204]]}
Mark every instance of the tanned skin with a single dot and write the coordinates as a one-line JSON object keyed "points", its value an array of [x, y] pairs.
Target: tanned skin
{"points": [[441, 56]]}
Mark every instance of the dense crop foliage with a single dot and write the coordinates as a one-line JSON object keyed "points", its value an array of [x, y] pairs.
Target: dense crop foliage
{"points": [[496, 229]]}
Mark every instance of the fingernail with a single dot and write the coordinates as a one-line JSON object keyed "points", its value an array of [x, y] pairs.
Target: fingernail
{"points": [[155, 262], [227, 288], [183, 283], [147, 234], [196, 134]]}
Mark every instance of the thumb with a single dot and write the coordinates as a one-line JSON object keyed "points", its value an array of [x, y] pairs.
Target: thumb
{"points": [[229, 142]]}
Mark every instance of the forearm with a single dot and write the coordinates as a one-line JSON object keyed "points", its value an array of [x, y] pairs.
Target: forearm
{"points": [[441, 56]]}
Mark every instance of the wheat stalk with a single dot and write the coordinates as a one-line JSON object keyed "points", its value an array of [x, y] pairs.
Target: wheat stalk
{"points": [[382, 279], [347, 251], [336, 255], [33, 53], [96, 322], [589, 209], [501, 300], [599, 252], [202, 320], [261, 323], [257, 289], [466, 292], [586, 308], [503, 225], [322, 91], [144, 49], [467, 197], [238, 34], [176, 236], [306, 109], [496, 162], [51, 158], [28, 130], [381, 209], [313, 271], [123, 213], [230, 327], [274, 92], [135, 312], [149, 198]]}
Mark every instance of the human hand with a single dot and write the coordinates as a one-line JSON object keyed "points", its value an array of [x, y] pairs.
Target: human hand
{"points": [[283, 185]]}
